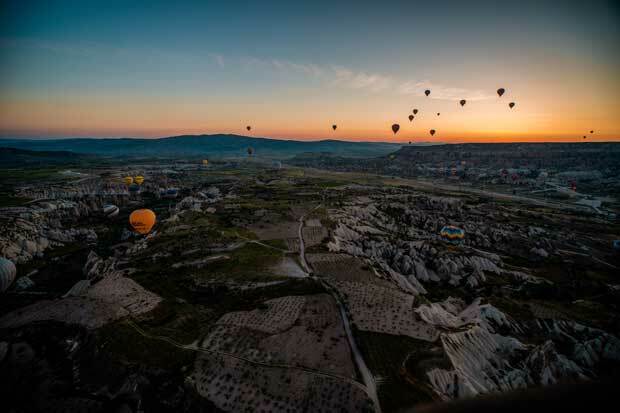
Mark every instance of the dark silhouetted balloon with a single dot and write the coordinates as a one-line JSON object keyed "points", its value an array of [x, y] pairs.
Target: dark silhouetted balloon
{"points": [[415, 111], [395, 128], [334, 127], [501, 91], [463, 102], [410, 118], [438, 113], [409, 142], [248, 127], [427, 92], [584, 136], [511, 104], [432, 131], [591, 131]]}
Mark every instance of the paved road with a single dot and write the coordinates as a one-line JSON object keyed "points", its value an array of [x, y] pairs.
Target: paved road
{"points": [[367, 377]]}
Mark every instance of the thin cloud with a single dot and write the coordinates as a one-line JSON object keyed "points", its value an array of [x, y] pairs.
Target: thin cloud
{"points": [[218, 59], [417, 88]]}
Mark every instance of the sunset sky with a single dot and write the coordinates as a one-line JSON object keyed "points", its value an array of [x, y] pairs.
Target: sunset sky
{"points": [[291, 70]]}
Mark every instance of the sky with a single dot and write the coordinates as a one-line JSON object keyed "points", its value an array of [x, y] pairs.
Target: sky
{"points": [[292, 69]]}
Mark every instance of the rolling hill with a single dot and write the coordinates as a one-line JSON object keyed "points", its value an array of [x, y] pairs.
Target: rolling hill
{"points": [[212, 146]]}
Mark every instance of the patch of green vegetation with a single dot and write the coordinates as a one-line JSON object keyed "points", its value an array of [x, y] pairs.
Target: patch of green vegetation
{"points": [[386, 355], [28, 174], [248, 263], [12, 201], [277, 243], [124, 342]]}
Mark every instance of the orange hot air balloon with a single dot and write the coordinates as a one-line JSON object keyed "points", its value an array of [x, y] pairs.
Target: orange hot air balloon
{"points": [[410, 118], [463, 102], [432, 131], [415, 111], [395, 128], [142, 220], [427, 92]]}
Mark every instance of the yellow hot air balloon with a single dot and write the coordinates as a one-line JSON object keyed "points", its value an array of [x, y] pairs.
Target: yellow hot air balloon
{"points": [[128, 180], [142, 220], [139, 179], [205, 162]]}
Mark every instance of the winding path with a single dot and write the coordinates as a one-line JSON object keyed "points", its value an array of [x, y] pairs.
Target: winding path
{"points": [[367, 377]]}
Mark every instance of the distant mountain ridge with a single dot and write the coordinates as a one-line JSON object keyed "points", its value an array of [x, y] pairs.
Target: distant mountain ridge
{"points": [[213, 146]]}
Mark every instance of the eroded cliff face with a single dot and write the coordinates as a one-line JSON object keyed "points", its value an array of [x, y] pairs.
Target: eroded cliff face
{"points": [[487, 349]]}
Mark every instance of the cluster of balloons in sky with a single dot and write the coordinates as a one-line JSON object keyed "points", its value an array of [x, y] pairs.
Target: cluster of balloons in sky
{"points": [[462, 102], [427, 92]]}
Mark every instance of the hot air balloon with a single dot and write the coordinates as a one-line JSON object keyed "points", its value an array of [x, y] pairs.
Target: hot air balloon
{"points": [[415, 111], [139, 179], [7, 273], [334, 127], [205, 162], [409, 142], [250, 151], [438, 113], [452, 234], [427, 92], [591, 131], [511, 104], [410, 118], [128, 180], [463, 102], [432, 131], [142, 220], [249, 128], [584, 136], [395, 128], [110, 211], [169, 193], [500, 91]]}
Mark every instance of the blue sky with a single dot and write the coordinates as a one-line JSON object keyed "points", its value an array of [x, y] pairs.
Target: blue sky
{"points": [[209, 63]]}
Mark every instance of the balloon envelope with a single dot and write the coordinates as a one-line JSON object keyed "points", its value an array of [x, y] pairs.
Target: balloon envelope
{"points": [[139, 179], [110, 211], [427, 92], [432, 131], [501, 91], [410, 118], [334, 127], [7, 273], [511, 104], [415, 111], [142, 220], [205, 162], [395, 128], [248, 127], [462, 102], [452, 234]]}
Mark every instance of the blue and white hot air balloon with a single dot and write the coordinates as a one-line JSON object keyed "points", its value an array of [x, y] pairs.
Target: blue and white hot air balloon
{"points": [[7, 273]]}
